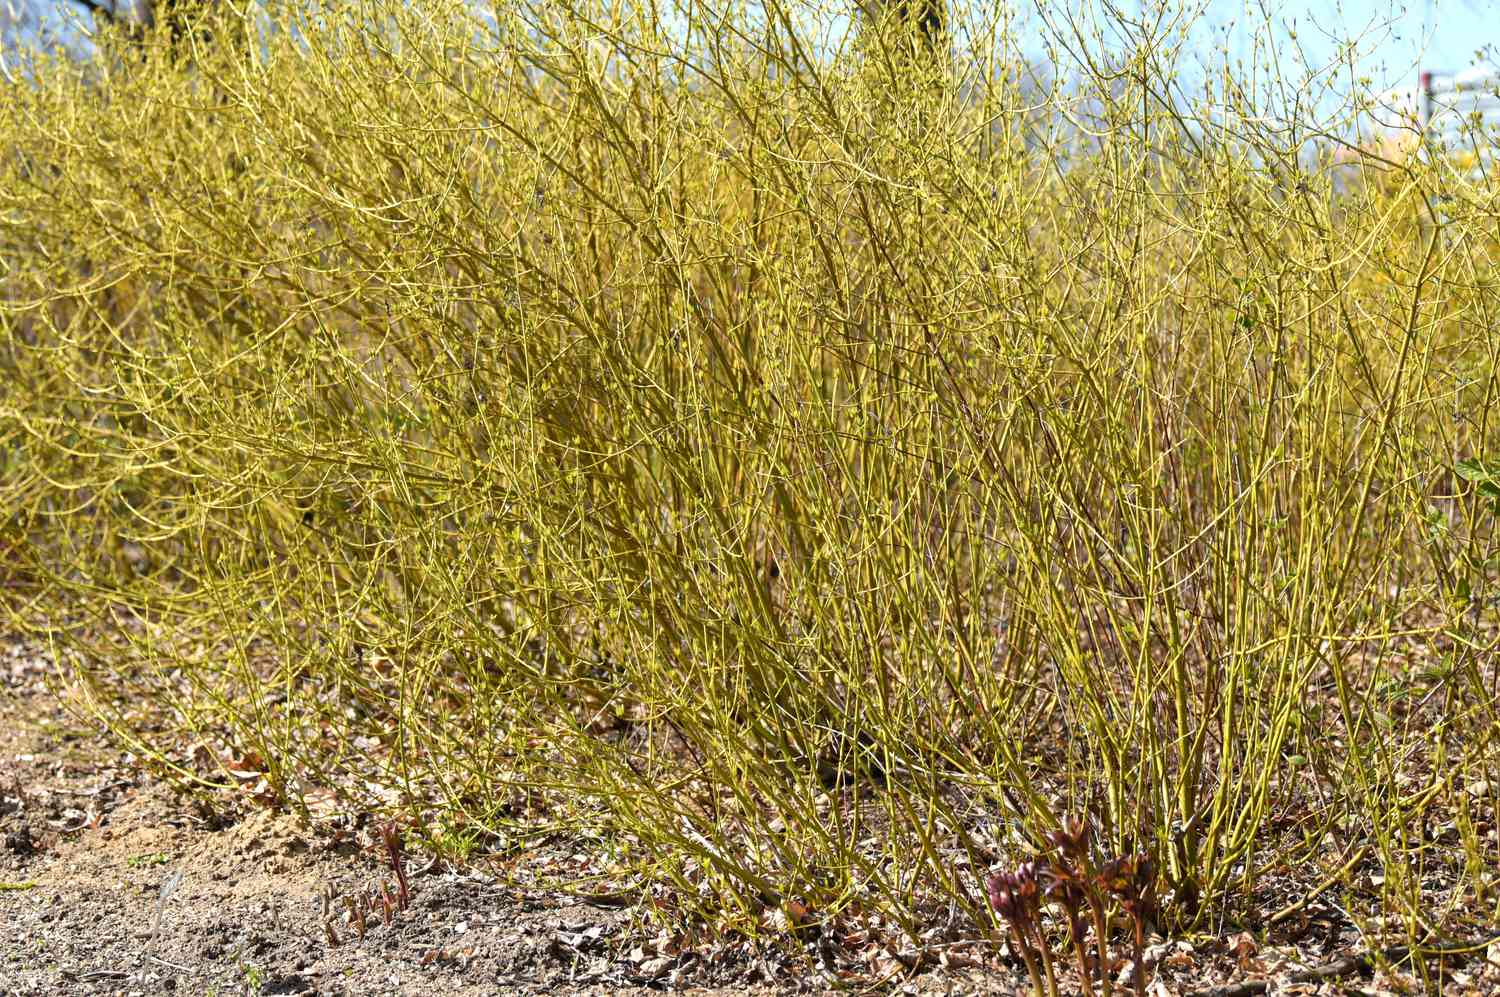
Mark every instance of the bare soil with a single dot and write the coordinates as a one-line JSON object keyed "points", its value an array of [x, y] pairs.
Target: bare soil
{"points": [[112, 883]]}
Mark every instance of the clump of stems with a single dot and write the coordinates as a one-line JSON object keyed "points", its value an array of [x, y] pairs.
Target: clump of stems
{"points": [[1016, 896], [1069, 876]]}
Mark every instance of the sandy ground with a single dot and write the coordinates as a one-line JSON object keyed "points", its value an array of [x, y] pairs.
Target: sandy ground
{"points": [[111, 883]]}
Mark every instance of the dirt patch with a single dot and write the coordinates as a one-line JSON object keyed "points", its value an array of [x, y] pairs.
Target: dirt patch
{"points": [[114, 884], [111, 883]]}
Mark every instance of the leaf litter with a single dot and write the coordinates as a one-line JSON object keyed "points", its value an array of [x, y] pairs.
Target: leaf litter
{"points": [[247, 899]]}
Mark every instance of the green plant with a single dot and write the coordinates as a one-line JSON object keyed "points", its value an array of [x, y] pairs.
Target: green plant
{"points": [[252, 976], [147, 859]]}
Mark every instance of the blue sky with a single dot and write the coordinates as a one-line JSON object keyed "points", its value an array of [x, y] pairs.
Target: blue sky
{"points": [[1396, 36]]}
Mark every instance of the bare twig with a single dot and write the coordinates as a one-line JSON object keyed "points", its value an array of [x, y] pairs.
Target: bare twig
{"points": [[170, 965], [102, 974], [163, 894]]}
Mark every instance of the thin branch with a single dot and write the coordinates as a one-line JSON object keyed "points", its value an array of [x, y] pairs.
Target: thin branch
{"points": [[98, 8]]}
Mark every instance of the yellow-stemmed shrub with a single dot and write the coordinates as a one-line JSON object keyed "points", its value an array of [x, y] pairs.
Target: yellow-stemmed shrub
{"points": [[819, 471]]}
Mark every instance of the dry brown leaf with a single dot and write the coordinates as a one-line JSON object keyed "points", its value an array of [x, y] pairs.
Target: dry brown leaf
{"points": [[1244, 948]]}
